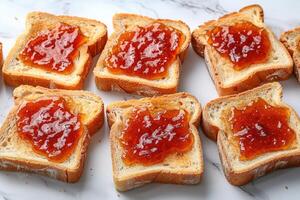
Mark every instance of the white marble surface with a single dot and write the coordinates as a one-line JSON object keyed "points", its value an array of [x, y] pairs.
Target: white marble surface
{"points": [[96, 182]]}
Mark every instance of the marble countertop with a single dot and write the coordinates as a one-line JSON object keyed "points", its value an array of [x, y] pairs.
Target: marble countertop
{"points": [[96, 182]]}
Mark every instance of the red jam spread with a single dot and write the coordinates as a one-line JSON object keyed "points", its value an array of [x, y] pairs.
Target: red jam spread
{"points": [[146, 52], [243, 44], [149, 137], [50, 127], [260, 128], [54, 50]]}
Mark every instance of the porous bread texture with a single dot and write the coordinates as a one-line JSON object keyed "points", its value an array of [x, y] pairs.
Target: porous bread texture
{"points": [[230, 81], [184, 168], [291, 40], [16, 73], [18, 155], [215, 125], [134, 84]]}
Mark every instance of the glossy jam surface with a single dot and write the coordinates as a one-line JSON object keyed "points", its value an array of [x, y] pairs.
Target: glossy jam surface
{"points": [[50, 127], [260, 128], [54, 50], [146, 52], [149, 137], [243, 44]]}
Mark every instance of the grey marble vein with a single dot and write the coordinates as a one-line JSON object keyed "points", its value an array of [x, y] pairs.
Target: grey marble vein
{"points": [[251, 190], [143, 6], [210, 7]]}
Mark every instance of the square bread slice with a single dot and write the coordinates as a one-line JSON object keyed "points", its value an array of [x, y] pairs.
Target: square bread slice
{"points": [[230, 81], [16, 72], [18, 155], [184, 168], [215, 125], [291, 40], [132, 84]]}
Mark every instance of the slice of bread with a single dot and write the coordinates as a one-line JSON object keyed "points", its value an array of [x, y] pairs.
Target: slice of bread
{"points": [[133, 84], [184, 168], [16, 72], [291, 40], [215, 125], [18, 155], [228, 80]]}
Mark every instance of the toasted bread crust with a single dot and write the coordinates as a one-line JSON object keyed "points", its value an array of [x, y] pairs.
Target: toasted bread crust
{"points": [[65, 175], [15, 79], [142, 87], [292, 48], [255, 78], [160, 176], [260, 169]]}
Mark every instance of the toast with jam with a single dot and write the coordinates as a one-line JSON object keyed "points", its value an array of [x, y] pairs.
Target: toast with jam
{"points": [[54, 51], [241, 52], [48, 131], [255, 132], [291, 40], [143, 55], [155, 140]]}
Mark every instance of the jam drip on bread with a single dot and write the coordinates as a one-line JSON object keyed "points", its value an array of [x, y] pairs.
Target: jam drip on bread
{"points": [[260, 128], [49, 127], [145, 52], [243, 44], [150, 136], [54, 50]]}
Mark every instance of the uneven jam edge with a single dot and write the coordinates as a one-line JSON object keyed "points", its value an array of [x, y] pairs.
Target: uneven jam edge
{"points": [[150, 136], [146, 52], [50, 127], [260, 128], [54, 50], [243, 44]]}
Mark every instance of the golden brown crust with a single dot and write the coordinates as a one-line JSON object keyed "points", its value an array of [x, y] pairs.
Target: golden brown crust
{"points": [[69, 176], [260, 169], [108, 82], [292, 48], [16, 79], [160, 176]]}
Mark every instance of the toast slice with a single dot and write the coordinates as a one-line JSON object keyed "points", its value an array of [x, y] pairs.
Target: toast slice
{"points": [[16, 154], [215, 125], [227, 80], [177, 168], [15, 72], [291, 40], [133, 84]]}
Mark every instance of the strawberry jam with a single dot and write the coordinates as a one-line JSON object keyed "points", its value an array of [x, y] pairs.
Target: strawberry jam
{"points": [[54, 50], [50, 127], [260, 128], [146, 52], [149, 137], [243, 44]]}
